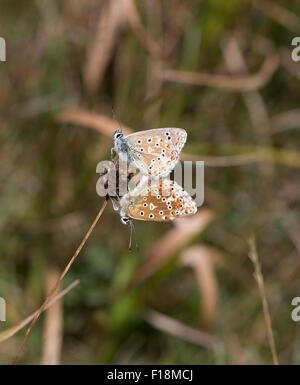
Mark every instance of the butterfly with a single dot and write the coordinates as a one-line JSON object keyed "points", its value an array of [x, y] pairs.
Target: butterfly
{"points": [[162, 200], [154, 152]]}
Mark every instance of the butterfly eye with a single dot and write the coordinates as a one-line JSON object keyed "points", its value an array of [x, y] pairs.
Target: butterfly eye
{"points": [[118, 134], [125, 220]]}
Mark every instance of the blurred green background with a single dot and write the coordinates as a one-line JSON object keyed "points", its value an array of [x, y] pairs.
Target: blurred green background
{"points": [[238, 98]]}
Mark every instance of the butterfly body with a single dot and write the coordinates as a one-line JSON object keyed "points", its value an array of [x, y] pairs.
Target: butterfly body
{"points": [[154, 152], [121, 146]]}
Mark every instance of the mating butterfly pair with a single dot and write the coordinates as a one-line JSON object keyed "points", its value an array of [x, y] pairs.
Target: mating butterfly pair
{"points": [[155, 153]]}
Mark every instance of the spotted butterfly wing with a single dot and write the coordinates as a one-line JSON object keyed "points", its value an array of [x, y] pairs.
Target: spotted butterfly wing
{"points": [[162, 201], [156, 152]]}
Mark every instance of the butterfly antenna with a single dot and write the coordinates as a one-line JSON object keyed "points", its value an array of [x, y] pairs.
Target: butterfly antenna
{"points": [[130, 239], [132, 233], [116, 118], [135, 238]]}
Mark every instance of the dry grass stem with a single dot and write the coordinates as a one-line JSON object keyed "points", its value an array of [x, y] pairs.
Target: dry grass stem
{"points": [[72, 260], [230, 160], [279, 14], [284, 121], [135, 22], [110, 21], [253, 100], [274, 155], [231, 83], [12, 331], [101, 123], [200, 259], [53, 324], [178, 329], [261, 286]]}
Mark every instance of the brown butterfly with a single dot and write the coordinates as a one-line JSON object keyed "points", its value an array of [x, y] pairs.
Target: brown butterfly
{"points": [[160, 201], [154, 152]]}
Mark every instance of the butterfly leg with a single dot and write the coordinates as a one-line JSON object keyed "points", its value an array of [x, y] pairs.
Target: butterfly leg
{"points": [[116, 203], [112, 152]]}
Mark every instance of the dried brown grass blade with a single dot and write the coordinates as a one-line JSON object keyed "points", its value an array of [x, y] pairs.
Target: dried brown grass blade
{"points": [[98, 122], [12, 331], [261, 286], [153, 89], [260, 154], [100, 51], [183, 231], [231, 83], [72, 260], [230, 160], [178, 329], [279, 14], [53, 326], [286, 120], [135, 22], [200, 259], [253, 100]]}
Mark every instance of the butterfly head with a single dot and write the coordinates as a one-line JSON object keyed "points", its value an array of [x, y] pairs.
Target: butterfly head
{"points": [[121, 144], [118, 135]]}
